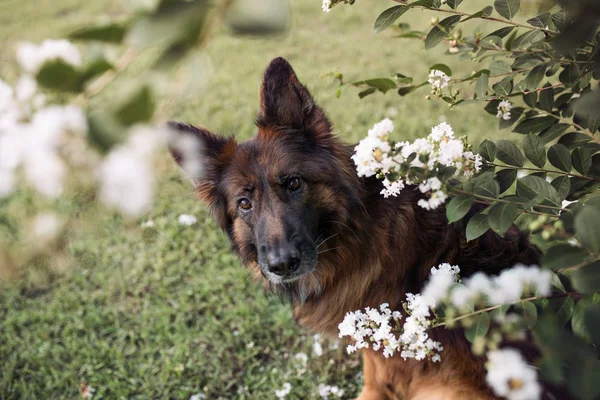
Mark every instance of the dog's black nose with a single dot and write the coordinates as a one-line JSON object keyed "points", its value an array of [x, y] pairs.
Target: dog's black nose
{"points": [[283, 262]]}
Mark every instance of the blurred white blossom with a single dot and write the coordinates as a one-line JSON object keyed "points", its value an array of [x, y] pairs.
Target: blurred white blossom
{"points": [[328, 390], [510, 377], [31, 57], [326, 5], [438, 80], [284, 391], [186, 219]]}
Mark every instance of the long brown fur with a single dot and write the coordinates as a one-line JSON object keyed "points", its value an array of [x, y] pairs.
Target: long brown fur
{"points": [[373, 250]]}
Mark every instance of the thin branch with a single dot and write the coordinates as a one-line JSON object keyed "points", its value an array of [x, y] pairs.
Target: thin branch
{"points": [[544, 170], [501, 20]]}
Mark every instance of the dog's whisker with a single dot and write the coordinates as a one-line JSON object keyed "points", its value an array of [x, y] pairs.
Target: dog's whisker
{"points": [[320, 244], [326, 250], [351, 230]]}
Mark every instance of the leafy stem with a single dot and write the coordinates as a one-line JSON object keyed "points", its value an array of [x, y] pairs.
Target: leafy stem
{"points": [[545, 170]]}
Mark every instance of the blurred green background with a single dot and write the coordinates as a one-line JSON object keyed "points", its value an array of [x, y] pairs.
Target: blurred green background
{"points": [[168, 312]]}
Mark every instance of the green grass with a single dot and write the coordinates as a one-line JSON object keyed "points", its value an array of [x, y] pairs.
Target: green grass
{"points": [[168, 312]]}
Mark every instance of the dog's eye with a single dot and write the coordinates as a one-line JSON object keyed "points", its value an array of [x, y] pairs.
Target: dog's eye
{"points": [[244, 205], [294, 184]]}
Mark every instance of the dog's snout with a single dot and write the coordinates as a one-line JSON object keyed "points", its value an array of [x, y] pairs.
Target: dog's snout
{"points": [[283, 261]]}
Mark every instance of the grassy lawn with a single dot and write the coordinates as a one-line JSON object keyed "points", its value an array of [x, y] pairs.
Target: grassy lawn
{"points": [[168, 312]]}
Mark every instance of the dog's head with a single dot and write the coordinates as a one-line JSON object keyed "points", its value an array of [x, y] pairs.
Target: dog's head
{"points": [[283, 195]]}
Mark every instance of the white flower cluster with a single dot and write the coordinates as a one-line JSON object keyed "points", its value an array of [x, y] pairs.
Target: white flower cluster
{"points": [[328, 390], [35, 138], [125, 175], [32, 57], [377, 155], [375, 328], [511, 377], [284, 391], [438, 80], [326, 5], [504, 109], [507, 288]]}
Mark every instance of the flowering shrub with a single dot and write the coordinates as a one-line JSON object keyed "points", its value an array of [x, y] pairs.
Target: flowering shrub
{"points": [[539, 78], [56, 139]]}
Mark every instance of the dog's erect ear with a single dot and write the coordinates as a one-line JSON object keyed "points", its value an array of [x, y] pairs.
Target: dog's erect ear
{"points": [[286, 103], [203, 156]]}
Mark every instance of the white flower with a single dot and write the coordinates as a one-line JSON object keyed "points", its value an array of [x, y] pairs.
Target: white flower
{"points": [[436, 199], [46, 171], [326, 5], [287, 388], [317, 348], [438, 80], [186, 219], [392, 188], [46, 226], [126, 181], [302, 358], [25, 88], [147, 224], [32, 57], [326, 390], [504, 109], [198, 396], [6, 96], [511, 377], [7, 182]]}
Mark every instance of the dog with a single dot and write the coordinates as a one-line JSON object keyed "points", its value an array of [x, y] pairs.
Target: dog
{"points": [[312, 231]]}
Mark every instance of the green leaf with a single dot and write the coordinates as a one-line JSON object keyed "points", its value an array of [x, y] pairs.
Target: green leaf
{"points": [[453, 3], [441, 67], [506, 177], [504, 87], [458, 207], [479, 327], [381, 84], [112, 32], [388, 17], [477, 226], [507, 8], [547, 98], [440, 31], [502, 216], [509, 153], [570, 75], [138, 107], [534, 77], [529, 311], [364, 93], [540, 21], [481, 86], [563, 255], [562, 184], [559, 156], [591, 320], [500, 67], [485, 12], [532, 187], [583, 378], [534, 125], [553, 132], [587, 279], [565, 312], [535, 150], [560, 20], [577, 320], [487, 150], [502, 32], [487, 188], [58, 75], [94, 68], [587, 227], [104, 130], [582, 160]]}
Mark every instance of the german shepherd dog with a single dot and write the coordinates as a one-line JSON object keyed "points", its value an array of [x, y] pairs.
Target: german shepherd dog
{"points": [[305, 224]]}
